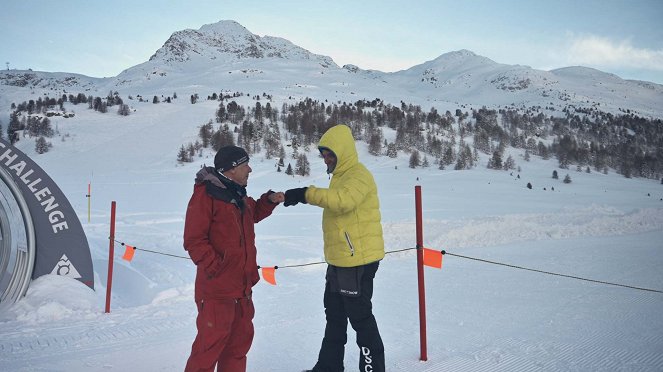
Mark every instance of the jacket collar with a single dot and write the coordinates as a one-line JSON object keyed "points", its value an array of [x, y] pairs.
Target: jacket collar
{"points": [[220, 187]]}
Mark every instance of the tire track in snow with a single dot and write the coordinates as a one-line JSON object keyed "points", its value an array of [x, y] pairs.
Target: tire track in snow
{"points": [[49, 343]]}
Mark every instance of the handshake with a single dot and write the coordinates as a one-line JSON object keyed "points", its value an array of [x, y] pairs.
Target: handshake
{"points": [[290, 197]]}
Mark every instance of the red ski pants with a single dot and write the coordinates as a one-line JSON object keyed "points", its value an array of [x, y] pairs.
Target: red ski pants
{"points": [[225, 334]]}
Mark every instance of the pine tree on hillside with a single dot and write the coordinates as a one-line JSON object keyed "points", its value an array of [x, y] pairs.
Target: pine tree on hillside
{"points": [[496, 161], [41, 145], [414, 159], [183, 155], [449, 156], [205, 134], [555, 176], [222, 137], [123, 110], [567, 179], [509, 163], [302, 167], [375, 142], [392, 152]]}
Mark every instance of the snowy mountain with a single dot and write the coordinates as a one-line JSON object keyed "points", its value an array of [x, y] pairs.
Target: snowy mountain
{"points": [[481, 317], [225, 55], [228, 40]]}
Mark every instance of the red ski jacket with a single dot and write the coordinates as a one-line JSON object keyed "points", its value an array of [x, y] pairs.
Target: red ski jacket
{"points": [[220, 239]]}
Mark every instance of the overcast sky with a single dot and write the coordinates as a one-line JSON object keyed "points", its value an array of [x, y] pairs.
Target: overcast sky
{"points": [[102, 38]]}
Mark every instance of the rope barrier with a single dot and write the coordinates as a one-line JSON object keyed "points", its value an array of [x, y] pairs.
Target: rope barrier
{"points": [[147, 250], [551, 273], [444, 253], [322, 262]]}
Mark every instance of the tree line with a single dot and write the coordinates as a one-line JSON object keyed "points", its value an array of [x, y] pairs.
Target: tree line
{"points": [[628, 144], [580, 137]]}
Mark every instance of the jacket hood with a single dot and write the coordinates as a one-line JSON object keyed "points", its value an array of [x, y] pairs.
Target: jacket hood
{"points": [[209, 174], [339, 140]]}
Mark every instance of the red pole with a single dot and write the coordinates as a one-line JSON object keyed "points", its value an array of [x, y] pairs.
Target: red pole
{"points": [[111, 249], [420, 274]]}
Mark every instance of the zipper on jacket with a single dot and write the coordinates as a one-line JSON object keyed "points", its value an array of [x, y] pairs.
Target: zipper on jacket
{"points": [[242, 242], [352, 247]]}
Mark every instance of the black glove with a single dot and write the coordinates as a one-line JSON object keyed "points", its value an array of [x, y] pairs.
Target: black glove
{"points": [[294, 196]]}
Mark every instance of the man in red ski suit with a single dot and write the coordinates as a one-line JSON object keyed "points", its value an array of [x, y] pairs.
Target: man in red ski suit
{"points": [[219, 237]]}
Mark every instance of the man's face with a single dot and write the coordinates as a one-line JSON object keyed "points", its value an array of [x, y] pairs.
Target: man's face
{"points": [[239, 174], [330, 160]]}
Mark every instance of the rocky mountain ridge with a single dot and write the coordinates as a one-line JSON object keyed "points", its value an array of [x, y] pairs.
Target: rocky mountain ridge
{"points": [[225, 55]]}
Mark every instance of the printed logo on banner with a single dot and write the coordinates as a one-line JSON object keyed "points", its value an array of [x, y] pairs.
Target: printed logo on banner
{"points": [[64, 267]]}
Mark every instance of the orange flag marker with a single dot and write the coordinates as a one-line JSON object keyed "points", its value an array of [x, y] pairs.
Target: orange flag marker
{"points": [[129, 253], [432, 258], [268, 274]]}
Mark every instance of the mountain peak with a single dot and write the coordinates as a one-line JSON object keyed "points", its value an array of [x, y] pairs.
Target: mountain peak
{"points": [[462, 56], [225, 27], [227, 41]]}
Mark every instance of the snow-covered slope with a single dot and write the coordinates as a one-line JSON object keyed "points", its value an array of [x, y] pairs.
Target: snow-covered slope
{"points": [[480, 316]]}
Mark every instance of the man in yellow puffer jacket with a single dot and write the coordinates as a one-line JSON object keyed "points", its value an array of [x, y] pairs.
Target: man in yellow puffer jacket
{"points": [[353, 246]]}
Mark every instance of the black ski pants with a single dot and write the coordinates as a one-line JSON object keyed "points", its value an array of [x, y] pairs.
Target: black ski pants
{"points": [[359, 311]]}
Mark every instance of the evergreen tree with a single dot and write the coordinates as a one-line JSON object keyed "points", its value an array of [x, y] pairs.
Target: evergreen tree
{"points": [[41, 145], [509, 163], [205, 134], [392, 151], [375, 142], [555, 176], [496, 161], [288, 170], [414, 159], [567, 179], [183, 155], [39, 127], [449, 156], [302, 167], [221, 113], [222, 137], [123, 110]]}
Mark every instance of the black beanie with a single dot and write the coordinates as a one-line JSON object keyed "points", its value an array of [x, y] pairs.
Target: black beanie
{"points": [[229, 157]]}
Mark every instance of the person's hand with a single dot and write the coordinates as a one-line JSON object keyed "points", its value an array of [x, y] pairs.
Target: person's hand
{"points": [[294, 196], [277, 197]]}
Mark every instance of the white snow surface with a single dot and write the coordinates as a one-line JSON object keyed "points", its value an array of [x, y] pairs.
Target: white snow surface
{"points": [[480, 316]]}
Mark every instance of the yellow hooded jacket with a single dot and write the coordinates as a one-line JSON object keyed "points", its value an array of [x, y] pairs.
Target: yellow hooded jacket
{"points": [[351, 217]]}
